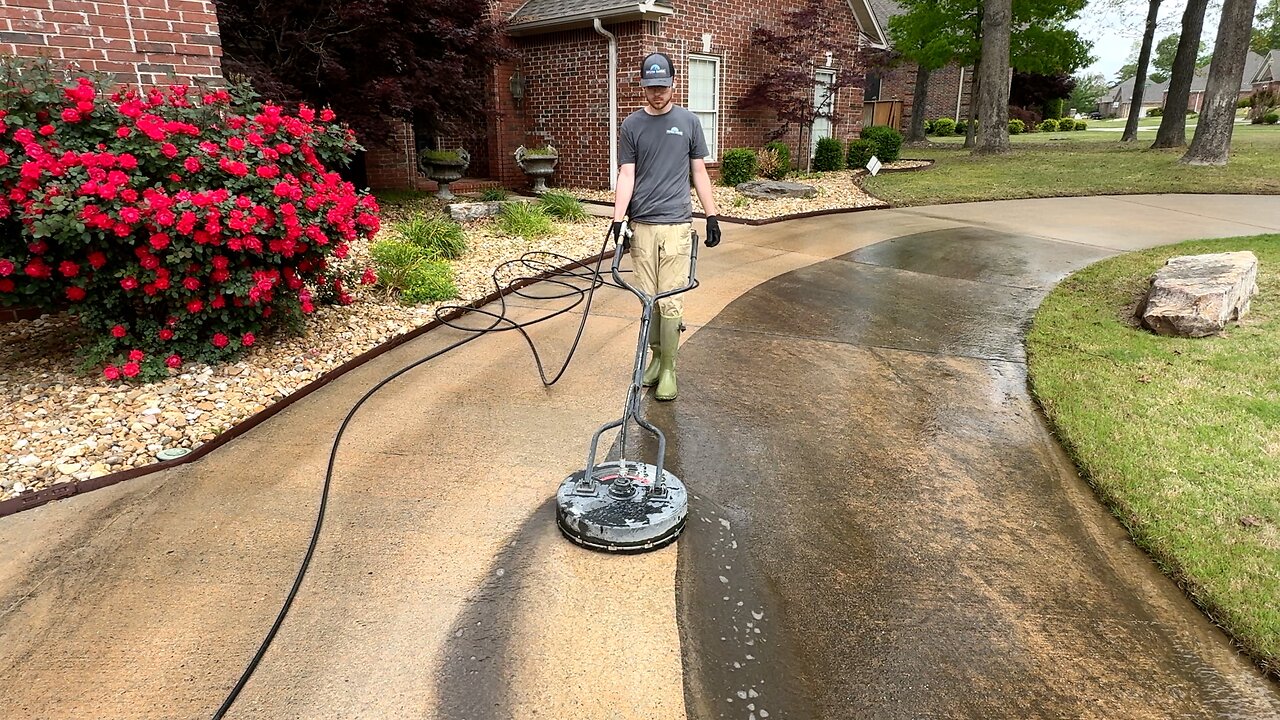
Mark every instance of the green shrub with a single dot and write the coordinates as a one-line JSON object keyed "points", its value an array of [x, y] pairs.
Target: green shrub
{"points": [[1082, 125], [527, 220], [929, 128], [1155, 112], [409, 271], [1016, 127], [829, 155], [860, 152], [944, 127], [1271, 118], [439, 236], [440, 155], [493, 194], [962, 127], [559, 204], [784, 159], [1049, 125], [1066, 125], [1053, 109], [767, 164], [1243, 103], [888, 142], [738, 166]]}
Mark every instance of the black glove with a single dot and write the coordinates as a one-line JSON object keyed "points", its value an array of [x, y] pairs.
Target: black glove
{"points": [[713, 231], [618, 238]]}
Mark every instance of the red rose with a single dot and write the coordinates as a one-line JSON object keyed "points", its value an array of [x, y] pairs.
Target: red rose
{"points": [[129, 283], [173, 361], [191, 284], [47, 130], [131, 369], [71, 115], [68, 268], [6, 285], [112, 372], [220, 340], [192, 164], [97, 260], [327, 115], [166, 334], [130, 215], [119, 331], [136, 355], [6, 268], [159, 241], [195, 306], [169, 150], [247, 339], [75, 293], [369, 277], [123, 132]]}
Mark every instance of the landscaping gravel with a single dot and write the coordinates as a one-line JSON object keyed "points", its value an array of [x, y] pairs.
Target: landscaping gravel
{"points": [[62, 425]]}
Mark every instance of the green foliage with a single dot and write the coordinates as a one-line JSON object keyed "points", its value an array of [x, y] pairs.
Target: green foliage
{"points": [[1088, 91], [888, 142], [1154, 112], [859, 154], [1016, 127], [784, 158], [738, 166], [1266, 31], [1049, 125], [1271, 118], [1053, 109], [1081, 125], [559, 204], [829, 155], [1243, 102], [526, 220], [962, 127], [493, 194], [411, 272], [944, 127], [440, 156], [439, 236]]}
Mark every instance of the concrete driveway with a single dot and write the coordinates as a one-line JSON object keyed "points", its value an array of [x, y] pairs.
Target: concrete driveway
{"points": [[882, 526]]}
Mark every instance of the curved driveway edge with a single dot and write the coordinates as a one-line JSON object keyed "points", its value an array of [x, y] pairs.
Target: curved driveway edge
{"points": [[826, 373]]}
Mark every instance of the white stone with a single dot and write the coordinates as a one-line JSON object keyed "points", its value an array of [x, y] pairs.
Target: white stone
{"points": [[1197, 295]]}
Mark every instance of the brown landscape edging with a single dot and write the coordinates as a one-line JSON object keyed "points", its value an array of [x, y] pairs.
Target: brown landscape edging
{"points": [[77, 487]]}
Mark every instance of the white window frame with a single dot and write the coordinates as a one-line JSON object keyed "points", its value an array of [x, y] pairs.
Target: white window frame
{"points": [[831, 106], [712, 133]]}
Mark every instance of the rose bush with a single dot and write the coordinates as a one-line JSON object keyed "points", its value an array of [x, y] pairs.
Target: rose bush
{"points": [[175, 224]]}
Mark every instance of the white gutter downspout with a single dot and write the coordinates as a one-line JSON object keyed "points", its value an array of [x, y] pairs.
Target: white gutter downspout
{"points": [[959, 94], [613, 103]]}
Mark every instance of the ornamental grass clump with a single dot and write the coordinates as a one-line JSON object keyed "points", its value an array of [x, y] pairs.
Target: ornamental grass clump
{"points": [[523, 219], [439, 236], [564, 206], [175, 224]]}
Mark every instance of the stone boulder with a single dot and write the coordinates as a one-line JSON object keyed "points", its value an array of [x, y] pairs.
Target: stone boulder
{"points": [[470, 212], [1197, 295], [775, 189]]}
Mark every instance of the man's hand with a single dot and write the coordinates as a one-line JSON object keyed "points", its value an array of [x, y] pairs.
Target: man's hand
{"points": [[713, 232], [618, 237]]}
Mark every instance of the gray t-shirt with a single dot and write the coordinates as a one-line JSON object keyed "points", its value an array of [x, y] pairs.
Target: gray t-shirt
{"points": [[661, 147]]}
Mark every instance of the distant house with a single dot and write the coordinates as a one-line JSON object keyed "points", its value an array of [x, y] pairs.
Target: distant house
{"points": [[1252, 66], [1118, 98], [1267, 74]]}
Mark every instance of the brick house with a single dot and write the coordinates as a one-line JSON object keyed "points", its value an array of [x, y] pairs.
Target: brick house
{"points": [[1265, 74], [1253, 65], [576, 79], [143, 42], [949, 86]]}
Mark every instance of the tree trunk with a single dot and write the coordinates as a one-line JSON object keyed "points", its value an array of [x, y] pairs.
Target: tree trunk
{"points": [[993, 93], [1173, 126], [1140, 81], [971, 132], [919, 98], [1212, 142]]}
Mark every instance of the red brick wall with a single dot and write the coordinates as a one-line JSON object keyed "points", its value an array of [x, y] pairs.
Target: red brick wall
{"points": [[567, 90], [140, 41], [943, 86]]}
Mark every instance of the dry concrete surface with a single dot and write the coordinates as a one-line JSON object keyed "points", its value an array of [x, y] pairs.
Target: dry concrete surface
{"points": [[881, 525]]}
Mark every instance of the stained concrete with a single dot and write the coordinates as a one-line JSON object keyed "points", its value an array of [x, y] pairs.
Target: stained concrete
{"points": [[874, 477]]}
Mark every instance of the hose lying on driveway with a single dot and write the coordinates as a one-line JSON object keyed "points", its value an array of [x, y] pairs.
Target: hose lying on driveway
{"points": [[549, 274]]}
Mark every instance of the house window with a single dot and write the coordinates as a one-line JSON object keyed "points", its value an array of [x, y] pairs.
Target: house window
{"points": [[704, 98], [871, 88], [824, 102]]}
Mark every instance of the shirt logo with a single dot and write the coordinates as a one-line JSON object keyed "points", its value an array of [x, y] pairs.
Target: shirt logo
{"points": [[674, 131]]}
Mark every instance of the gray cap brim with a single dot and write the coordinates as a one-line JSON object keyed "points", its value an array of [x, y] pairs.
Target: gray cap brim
{"points": [[657, 82]]}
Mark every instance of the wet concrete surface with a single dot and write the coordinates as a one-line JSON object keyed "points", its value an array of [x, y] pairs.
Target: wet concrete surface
{"points": [[880, 508], [881, 526]]}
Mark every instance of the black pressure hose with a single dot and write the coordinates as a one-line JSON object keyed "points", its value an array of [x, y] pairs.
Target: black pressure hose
{"points": [[544, 271]]}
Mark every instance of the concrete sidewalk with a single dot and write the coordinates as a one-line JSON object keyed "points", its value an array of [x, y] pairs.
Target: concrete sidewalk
{"points": [[835, 425]]}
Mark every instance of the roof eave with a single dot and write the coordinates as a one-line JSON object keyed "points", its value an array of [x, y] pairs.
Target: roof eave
{"points": [[622, 13], [866, 17]]}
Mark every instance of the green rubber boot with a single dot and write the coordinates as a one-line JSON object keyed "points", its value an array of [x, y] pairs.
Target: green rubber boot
{"points": [[670, 337], [655, 353]]}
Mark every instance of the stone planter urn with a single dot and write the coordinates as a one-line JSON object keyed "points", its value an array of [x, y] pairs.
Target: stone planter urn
{"points": [[538, 163], [444, 166]]}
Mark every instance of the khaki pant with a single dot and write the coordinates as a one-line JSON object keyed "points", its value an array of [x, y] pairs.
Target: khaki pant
{"points": [[660, 256]]}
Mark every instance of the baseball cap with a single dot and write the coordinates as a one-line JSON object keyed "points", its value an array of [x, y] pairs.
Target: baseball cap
{"points": [[656, 70]]}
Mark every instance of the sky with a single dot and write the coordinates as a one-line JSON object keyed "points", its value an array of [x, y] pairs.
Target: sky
{"points": [[1115, 28]]}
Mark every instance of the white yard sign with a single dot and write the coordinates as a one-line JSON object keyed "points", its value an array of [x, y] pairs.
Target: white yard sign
{"points": [[874, 165]]}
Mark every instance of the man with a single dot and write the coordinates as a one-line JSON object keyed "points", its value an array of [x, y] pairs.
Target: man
{"points": [[660, 147]]}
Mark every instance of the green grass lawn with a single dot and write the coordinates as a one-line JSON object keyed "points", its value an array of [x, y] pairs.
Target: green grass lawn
{"points": [[1081, 162], [1181, 437]]}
